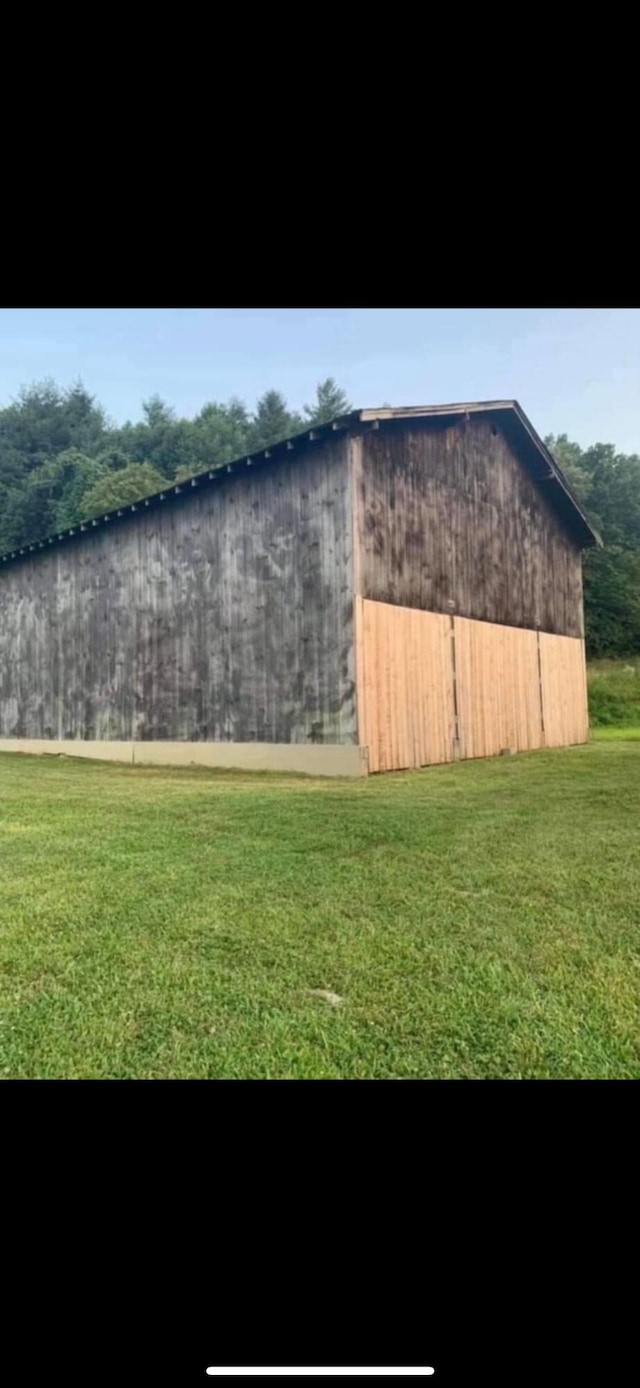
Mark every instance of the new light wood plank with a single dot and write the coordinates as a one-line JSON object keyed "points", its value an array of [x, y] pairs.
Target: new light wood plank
{"points": [[405, 686], [497, 688], [405, 691], [564, 692]]}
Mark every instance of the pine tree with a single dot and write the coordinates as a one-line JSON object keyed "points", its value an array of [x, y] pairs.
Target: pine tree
{"points": [[331, 402]]}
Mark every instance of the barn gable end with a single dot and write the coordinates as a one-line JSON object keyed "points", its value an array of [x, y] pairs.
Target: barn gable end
{"points": [[468, 582], [448, 519]]}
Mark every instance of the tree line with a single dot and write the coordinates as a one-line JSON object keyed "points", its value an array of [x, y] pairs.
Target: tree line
{"points": [[607, 485], [63, 460]]}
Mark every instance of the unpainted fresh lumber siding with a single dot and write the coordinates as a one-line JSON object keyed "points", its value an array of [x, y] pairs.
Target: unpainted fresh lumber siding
{"points": [[405, 686], [433, 688], [449, 520], [498, 688], [564, 690], [224, 615]]}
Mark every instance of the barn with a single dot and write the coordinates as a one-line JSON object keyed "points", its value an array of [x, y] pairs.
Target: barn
{"points": [[398, 588]]}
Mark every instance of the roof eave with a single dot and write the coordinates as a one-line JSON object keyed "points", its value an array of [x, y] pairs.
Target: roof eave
{"points": [[591, 536]]}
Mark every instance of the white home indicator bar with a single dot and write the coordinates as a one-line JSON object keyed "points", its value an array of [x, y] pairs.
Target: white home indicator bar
{"points": [[382, 1373]]}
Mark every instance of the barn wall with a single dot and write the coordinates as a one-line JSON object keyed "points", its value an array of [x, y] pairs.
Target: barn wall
{"points": [[498, 688], [405, 686], [447, 519], [563, 675], [435, 688], [226, 615]]}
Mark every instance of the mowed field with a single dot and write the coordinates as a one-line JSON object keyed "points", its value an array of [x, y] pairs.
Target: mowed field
{"points": [[477, 920]]}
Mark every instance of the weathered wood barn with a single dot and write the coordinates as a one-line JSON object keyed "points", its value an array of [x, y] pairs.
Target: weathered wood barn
{"points": [[397, 588]]}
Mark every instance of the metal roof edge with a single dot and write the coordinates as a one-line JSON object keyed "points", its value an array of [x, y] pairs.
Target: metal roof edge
{"points": [[416, 411]]}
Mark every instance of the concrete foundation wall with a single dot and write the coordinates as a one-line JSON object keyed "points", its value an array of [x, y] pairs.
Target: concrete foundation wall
{"points": [[328, 760]]}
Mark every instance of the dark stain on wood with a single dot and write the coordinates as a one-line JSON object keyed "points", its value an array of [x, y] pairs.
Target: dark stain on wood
{"points": [[449, 519]]}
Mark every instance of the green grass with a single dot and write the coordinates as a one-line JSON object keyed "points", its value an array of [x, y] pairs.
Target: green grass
{"points": [[616, 734], [614, 693], [477, 920]]}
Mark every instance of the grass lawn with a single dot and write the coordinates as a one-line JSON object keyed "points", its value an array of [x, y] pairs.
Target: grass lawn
{"points": [[476, 920], [616, 734], [614, 693]]}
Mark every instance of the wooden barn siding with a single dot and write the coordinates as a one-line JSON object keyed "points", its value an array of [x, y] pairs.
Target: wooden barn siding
{"points": [[433, 688], [498, 688], [405, 686], [227, 615], [564, 691], [449, 520]]}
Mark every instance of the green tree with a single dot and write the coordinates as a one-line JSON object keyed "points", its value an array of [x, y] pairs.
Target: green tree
{"points": [[113, 459], [43, 423], [59, 487], [220, 433], [569, 456], [330, 402], [272, 421], [49, 499], [159, 438], [85, 420], [45, 420], [607, 484], [121, 488]]}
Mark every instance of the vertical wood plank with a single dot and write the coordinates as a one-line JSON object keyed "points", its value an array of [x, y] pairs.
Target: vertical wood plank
{"points": [[450, 513], [404, 686], [222, 614], [498, 688], [564, 689]]}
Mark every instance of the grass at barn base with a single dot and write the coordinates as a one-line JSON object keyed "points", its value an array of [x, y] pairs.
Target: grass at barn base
{"points": [[616, 734], [475, 920]]}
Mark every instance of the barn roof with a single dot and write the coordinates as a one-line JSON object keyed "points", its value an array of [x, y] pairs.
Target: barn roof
{"points": [[536, 457]]}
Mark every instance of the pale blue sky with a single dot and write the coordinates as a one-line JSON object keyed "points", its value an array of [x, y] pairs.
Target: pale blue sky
{"points": [[574, 371]]}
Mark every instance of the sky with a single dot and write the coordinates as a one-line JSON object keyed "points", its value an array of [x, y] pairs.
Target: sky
{"points": [[574, 371]]}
